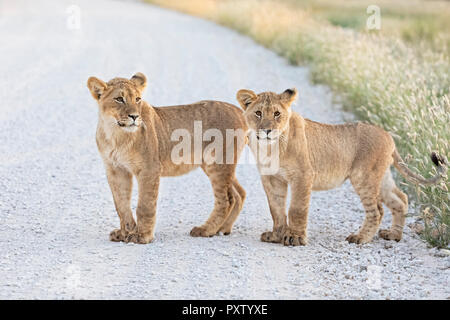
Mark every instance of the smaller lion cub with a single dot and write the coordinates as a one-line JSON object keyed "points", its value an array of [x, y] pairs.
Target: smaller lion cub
{"points": [[135, 139], [316, 156]]}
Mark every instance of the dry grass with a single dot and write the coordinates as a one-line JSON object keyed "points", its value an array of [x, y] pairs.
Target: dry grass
{"points": [[400, 84]]}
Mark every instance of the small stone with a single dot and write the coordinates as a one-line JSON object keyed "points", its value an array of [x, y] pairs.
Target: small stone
{"points": [[444, 252], [417, 227]]}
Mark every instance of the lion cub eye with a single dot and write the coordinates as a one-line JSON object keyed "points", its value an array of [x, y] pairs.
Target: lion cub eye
{"points": [[138, 99], [258, 114], [119, 100], [277, 114]]}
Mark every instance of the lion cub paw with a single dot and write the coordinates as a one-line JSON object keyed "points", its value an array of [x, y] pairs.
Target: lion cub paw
{"points": [[116, 235], [356, 238], [270, 236], [225, 231], [292, 239], [200, 232], [139, 237], [389, 235]]}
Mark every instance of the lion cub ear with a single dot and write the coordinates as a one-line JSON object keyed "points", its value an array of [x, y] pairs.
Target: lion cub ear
{"points": [[139, 80], [97, 87], [245, 97], [288, 96]]}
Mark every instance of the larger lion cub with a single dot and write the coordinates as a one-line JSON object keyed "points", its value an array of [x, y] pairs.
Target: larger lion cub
{"points": [[135, 139], [315, 156]]}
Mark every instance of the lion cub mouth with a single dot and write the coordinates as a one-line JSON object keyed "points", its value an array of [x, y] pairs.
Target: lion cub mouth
{"points": [[128, 126], [264, 138], [121, 124]]}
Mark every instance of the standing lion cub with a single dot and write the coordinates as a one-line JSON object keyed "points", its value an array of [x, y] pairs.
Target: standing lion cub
{"points": [[135, 139], [315, 156]]}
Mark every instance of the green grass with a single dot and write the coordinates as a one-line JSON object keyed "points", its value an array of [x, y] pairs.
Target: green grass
{"points": [[397, 77], [412, 21]]}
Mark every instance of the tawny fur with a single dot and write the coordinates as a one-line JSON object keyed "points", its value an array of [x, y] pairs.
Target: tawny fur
{"points": [[142, 148], [316, 156]]}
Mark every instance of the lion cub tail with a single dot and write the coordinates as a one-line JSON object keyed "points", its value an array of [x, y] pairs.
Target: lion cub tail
{"points": [[438, 161]]}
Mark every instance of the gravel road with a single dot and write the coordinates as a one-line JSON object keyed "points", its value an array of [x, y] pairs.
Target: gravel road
{"points": [[56, 209]]}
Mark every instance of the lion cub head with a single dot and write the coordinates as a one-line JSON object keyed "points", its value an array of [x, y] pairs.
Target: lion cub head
{"points": [[267, 113], [119, 100]]}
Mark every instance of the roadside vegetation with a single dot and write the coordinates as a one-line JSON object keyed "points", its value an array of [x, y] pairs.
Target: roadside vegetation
{"points": [[396, 77]]}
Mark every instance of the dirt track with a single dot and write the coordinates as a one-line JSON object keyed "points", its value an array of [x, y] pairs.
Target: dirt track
{"points": [[56, 210]]}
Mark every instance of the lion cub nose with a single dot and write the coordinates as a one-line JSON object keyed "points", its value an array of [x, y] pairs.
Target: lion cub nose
{"points": [[267, 131], [133, 116]]}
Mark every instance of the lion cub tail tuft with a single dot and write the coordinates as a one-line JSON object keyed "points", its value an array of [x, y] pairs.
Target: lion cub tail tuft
{"points": [[439, 161]]}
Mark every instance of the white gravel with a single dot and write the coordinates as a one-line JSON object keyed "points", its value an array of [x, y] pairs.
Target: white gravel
{"points": [[56, 209]]}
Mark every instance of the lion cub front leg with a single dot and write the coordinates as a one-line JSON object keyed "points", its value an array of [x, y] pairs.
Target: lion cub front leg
{"points": [[276, 191], [148, 185], [295, 234], [121, 184]]}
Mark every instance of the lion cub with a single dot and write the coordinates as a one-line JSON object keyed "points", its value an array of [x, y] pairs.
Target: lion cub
{"points": [[316, 156], [136, 139]]}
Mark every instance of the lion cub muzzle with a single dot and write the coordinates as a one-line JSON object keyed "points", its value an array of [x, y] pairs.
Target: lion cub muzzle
{"points": [[130, 123], [267, 134]]}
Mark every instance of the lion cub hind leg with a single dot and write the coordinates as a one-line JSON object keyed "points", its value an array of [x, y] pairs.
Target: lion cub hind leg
{"points": [[371, 221], [238, 193], [221, 177], [397, 202], [368, 190]]}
